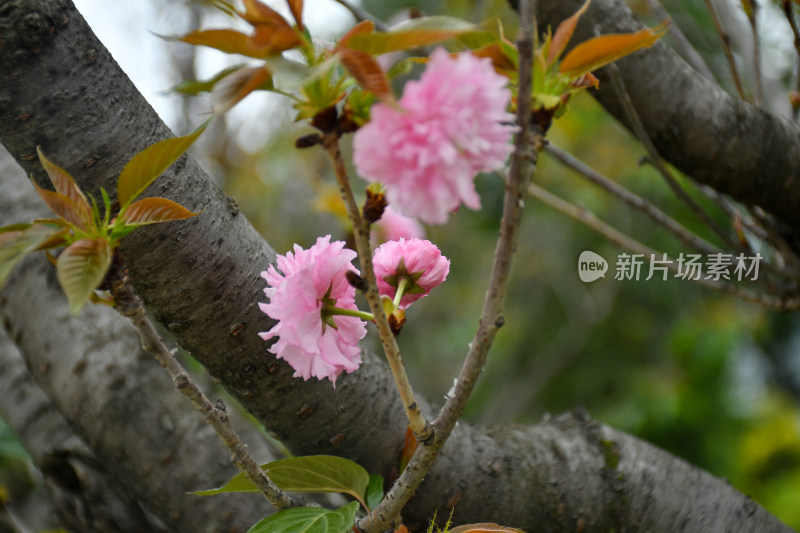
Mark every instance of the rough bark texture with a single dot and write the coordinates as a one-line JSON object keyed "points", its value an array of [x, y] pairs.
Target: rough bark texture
{"points": [[200, 279], [716, 138]]}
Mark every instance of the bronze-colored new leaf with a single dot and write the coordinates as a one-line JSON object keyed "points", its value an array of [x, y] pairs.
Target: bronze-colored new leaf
{"points": [[412, 34], [77, 214], [81, 268], [231, 89], [600, 51], [564, 34], [155, 209], [368, 73], [296, 7], [17, 241], [257, 13], [63, 182], [228, 41], [365, 27], [147, 165]]}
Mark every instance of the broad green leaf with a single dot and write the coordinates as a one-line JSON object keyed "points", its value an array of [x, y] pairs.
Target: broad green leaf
{"points": [[312, 473], [81, 267], [484, 528], [62, 181], [195, 87], [78, 215], [148, 164], [308, 520], [233, 88], [155, 209], [374, 493], [18, 241], [564, 34], [602, 50], [319, 473], [367, 72], [412, 34]]}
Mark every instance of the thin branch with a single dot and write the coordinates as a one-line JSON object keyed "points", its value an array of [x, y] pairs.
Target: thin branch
{"points": [[656, 160], [622, 240], [421, 428], [681, 42], [635, 201], [726, 47], [753, 20], [523, 160], [361, 14], [788, 12], [128, 303]]}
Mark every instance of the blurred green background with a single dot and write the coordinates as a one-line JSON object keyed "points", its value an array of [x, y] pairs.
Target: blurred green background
{"points": [[706, 376]]}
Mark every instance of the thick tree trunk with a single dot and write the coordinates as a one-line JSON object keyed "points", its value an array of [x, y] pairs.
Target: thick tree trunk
{"points": [[60, 89]]}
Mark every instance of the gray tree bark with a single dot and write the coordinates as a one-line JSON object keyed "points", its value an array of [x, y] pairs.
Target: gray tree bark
{"points": [[60, 89]]}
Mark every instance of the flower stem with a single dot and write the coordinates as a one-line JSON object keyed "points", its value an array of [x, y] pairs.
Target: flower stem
{"points": [[128, 304], [523, 161], [349, 312], [421, 428], [401, 288]]}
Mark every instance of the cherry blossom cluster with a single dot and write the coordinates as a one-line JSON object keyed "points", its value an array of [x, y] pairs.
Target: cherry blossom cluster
{"points": [[319, 325]]}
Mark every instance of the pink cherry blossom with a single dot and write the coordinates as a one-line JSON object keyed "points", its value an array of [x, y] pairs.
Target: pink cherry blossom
{"points": [[418, 260], [302, 286], [452, 124], [392, 226]]}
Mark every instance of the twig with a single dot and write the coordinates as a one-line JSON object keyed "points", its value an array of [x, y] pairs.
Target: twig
{"points": [[681, 42], [635, 201], [361, 14], [656, 160], [726, 47], [752, 17], [787, 10], [421, 428], [624, 241], [128, 303], [523, 161]]}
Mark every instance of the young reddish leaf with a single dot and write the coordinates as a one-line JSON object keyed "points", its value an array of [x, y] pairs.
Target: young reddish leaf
{"points": [[235, 86], [501, 62], [80, 268], [257, 13], [296, 6], [409, 447], [147, 165], [78, 215], [587, 80], [63, 182], [412, 34], [228, 41], [272, 40], [600, 51], [18, 241], [365, 26], [564, 34], [484, 528], [154, 209], [368, 73]]}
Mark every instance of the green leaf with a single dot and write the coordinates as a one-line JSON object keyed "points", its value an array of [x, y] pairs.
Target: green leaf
{"points": [[319, 473], [312, 473], [81, 267], [308, 520], [155, 209], [374, 492], [148, 164], [412, 34], [18, 241], [195, 87]]}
